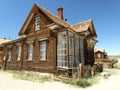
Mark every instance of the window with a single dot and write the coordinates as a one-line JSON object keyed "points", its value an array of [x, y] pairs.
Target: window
{"points": [[82, 50], [77, 50], [37, 23], [43, 50], [99, 55], [30, 51], [71, 49], [9, 55], [19, 53], [61, 50]]}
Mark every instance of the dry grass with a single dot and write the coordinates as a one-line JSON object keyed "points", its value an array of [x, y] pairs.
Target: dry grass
{"points": [[84, 82], [30, 76]]}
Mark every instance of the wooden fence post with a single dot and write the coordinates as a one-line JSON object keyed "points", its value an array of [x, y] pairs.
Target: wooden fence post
{"points": [[81, 70]]}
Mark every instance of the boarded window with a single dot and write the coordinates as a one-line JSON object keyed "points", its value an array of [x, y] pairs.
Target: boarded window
{"points": [[43, 50]]}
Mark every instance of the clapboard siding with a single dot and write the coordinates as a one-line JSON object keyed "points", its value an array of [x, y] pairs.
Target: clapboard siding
{"points": [[50, 26]]}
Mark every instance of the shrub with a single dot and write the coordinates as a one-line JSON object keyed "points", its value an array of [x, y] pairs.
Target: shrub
{"points": [[83, 83], [117, 66], [79, 82]]}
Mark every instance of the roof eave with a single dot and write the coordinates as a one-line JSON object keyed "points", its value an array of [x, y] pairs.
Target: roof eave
{"points": [[27, 20]]}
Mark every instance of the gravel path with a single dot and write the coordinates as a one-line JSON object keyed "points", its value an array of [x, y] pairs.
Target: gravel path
{"points": [[7, 82]]}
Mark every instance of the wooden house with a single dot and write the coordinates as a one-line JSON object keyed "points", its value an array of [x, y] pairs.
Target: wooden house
{"points": [[48, 43], [2, 40], [100, 54], [101, 57]]}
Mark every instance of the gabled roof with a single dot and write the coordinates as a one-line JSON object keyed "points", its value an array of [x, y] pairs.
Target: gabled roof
{"points": [[100, 50], [80, 27], [54, 18], [84, 26]]}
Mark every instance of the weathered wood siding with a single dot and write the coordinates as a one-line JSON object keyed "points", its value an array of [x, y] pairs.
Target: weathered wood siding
{"points": [[35, 64]]}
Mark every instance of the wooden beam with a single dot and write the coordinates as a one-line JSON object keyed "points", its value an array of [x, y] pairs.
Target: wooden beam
{"points": [[67, 50]]}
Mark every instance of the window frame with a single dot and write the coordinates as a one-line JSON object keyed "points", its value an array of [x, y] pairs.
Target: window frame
{"points": [[30, 52], [62, 49], [99, 55], [9, 55], [43, 50], [37, 23], [82, 52], [19, 50], [77, 50]]}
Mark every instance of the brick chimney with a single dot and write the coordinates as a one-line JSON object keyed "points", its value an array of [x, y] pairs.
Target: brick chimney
{"points": [[60, 12]]}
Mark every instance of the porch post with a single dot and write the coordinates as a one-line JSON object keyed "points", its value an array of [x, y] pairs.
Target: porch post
{"points": [[22, 54]]}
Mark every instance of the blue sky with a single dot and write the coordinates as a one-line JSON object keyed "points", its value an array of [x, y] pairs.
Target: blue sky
{"points": [[104, 13]]}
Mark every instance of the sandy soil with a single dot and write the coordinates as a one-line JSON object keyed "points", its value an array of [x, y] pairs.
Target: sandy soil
{"points": [[7, 82], [112, 83]]}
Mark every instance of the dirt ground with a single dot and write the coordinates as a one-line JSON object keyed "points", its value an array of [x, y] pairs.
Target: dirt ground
{"points": [[7, 82]]}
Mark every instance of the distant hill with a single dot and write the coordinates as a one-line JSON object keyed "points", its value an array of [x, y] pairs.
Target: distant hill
{"points": [[114, 56]]}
